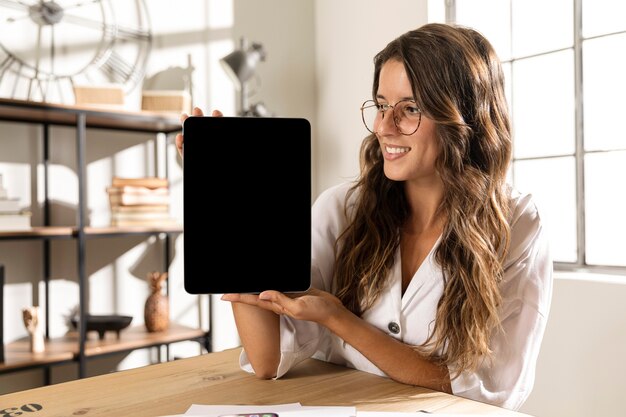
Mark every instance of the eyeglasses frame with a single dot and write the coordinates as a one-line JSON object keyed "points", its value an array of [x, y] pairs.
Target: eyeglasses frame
{"points": [[387, 107]]}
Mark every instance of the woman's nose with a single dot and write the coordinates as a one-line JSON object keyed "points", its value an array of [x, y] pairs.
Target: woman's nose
{"points": [[387, 125]]}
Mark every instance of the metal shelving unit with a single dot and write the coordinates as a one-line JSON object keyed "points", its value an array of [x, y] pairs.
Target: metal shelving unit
{"points": [[79, 346]]}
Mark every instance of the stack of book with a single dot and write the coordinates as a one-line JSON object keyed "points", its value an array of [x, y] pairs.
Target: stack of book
{"points": [[11, 217], [140, 202]]}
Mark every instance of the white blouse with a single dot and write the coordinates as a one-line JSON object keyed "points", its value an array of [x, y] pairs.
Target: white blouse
{"points": [[526, 293]]}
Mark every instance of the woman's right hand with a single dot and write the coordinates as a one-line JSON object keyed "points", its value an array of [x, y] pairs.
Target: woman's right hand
{"points": [[195, 112]]}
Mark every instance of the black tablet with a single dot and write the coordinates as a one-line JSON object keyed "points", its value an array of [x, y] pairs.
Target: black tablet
{"points": [[247, 204]]}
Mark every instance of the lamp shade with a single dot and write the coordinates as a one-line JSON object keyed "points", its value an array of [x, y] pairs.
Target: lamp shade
{"points": [[241, 64]]}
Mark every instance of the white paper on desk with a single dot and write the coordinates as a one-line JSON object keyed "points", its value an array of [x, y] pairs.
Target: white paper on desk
{"points": [[326, 411], [217, 410], [415, 414]]}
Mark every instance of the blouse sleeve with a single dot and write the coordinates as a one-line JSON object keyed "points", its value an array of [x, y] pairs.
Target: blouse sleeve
{"points": [[299, 340], [507, 379]]}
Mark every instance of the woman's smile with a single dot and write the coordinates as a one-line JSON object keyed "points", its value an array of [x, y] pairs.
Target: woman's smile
{"points": [[393, 152]]}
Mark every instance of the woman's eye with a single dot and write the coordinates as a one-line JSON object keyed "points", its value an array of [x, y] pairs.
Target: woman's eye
{"points": [[412, 110]]}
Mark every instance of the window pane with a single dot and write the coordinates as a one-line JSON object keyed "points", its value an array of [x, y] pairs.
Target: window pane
{"points": [[604, 66], [603, 16], [605, 208], [552, 183], [492, 18], [506, 69], [540, 26], [543, 105]]}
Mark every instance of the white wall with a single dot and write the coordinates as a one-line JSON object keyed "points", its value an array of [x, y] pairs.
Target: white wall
{"points": [[348, 33], [582, 363]]}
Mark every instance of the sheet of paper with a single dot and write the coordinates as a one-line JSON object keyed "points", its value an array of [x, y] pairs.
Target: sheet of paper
{"points": [[390, 414], [217, 410], [414, 414], [283, 410], [320, 412]]}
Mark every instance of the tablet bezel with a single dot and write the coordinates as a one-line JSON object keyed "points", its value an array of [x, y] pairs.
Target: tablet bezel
{"points": [[259, 145]]}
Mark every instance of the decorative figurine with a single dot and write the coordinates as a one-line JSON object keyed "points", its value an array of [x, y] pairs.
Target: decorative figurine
{"points": [[157, 309], [35, 329]]}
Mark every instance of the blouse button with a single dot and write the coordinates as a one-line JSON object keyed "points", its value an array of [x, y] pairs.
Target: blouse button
{"points": [[394, 327]]}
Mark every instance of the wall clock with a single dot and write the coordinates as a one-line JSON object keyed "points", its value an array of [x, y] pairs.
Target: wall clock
{"points": [[49, 46]]}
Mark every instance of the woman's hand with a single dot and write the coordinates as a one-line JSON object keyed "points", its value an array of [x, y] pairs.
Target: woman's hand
{"points": [[313, 305], [195, 112]]}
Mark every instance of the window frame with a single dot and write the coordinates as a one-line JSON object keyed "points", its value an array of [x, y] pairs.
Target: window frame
{"points": [[581, 264]]}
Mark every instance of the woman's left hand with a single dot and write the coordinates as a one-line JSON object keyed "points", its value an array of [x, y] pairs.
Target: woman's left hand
{"points": [[313, 305]]}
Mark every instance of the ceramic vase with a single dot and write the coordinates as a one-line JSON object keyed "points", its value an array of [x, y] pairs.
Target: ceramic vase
{"points": [[157, 308]]}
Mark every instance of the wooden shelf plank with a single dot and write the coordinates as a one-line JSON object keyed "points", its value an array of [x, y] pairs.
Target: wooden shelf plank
{"points": [[65, 115], [117, 230], [64, 349], [67, 232], [136, 337], [17, 355], [50, 232]]}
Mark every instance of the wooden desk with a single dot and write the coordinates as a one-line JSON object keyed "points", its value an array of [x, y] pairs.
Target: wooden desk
{"points": [[215, 378]]}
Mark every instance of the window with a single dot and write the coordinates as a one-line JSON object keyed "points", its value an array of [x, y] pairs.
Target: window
{"points": [[565, 63]]}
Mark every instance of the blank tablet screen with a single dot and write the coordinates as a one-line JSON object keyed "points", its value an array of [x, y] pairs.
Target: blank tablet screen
{"points": [[247, 204]]}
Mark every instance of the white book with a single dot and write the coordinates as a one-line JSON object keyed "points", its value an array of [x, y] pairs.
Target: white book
{"points": [[10, 205], [15, 222]]}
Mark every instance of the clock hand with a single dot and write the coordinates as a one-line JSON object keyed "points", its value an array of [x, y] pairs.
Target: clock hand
{"points": [[80, 4], [15, 5]]}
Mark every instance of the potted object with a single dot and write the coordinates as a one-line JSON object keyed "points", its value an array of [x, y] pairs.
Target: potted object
{"points": [[157, 309]]}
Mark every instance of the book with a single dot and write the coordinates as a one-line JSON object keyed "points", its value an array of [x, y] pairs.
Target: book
{"points": [[144, 222], [128, 199], [140, 215], [141, 208], [10, 205], [15, 222], [132, 189], [149, 182]]}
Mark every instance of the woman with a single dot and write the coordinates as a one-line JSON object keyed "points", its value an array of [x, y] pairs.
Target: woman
{"points": [[429, 269]]}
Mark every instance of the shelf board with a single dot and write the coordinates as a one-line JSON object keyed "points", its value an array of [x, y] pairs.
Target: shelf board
{"points": [[131, 230], [17, 355], [67, 232], [135, 337], [64, 349], [96, 117], [50, 232]]}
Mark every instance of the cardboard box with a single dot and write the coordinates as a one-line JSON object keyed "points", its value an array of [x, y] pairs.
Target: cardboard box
{"points": [[169, 101], [100, 95]]}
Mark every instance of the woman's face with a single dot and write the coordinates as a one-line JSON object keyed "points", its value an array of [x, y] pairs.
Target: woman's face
{"points": [[407, 158]]}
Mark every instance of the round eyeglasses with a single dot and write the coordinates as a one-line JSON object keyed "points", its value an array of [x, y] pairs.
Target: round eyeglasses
{"points": [[406, 115]]}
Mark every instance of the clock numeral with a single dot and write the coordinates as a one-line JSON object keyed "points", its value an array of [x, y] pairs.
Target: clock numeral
{"points": [[5, 64], [4, 67], [38, 85], [128, 33], [118, 69]]}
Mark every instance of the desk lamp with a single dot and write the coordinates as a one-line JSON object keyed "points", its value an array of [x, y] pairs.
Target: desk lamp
{"points": [[240, 65]]}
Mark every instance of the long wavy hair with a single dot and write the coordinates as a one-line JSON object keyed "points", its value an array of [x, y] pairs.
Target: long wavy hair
{"points": [[457, 80]]}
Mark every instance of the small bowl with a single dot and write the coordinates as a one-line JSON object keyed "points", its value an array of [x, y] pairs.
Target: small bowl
{"points": [[102, 324]]}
